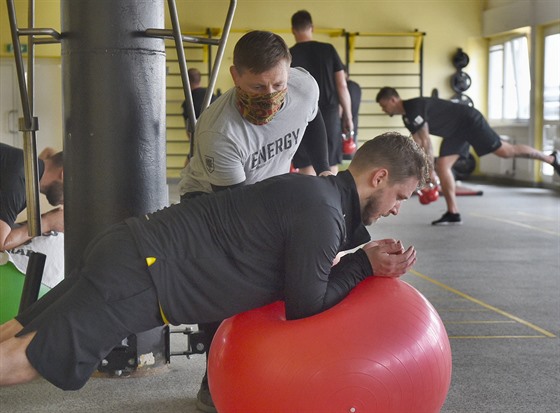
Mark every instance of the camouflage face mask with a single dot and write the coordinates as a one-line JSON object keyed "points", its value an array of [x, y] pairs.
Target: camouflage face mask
{"points": [[259, 109]]}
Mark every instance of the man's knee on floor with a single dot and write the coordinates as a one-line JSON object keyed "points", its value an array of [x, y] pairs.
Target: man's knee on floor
{"points": [[14, 365], [9, 329]]}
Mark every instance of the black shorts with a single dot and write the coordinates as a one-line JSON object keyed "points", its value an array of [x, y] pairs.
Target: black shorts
{"points": [[480, 135], [333, 125], [78, 323]]}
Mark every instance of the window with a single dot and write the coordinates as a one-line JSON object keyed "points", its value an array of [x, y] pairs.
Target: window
{"points": [[551, 97], [509, 82]]}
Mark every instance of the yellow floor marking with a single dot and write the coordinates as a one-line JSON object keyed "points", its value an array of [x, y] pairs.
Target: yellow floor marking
{"points": [[488, 306], [539, 217], [464, 310], [519, 224], [448, 300], [481, 322], [488, 337]]}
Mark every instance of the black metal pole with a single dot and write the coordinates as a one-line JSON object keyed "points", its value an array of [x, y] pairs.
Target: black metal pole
{"points": [[28, 124], [33, 278], [114, 116], [114, 134]]}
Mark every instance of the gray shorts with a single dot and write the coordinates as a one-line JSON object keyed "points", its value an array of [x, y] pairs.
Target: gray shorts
{"points": [[78, 323]]}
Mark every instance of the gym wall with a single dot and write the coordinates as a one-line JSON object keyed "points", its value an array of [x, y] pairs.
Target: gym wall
{"points": [[448, 25]]}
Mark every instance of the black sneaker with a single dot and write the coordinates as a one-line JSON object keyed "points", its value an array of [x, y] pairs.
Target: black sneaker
{"points": [[556, 163], [204, 400], [449, 219]]}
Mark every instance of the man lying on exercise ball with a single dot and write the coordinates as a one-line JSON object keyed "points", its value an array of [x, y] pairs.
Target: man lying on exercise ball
{"points": [[218, 255]]}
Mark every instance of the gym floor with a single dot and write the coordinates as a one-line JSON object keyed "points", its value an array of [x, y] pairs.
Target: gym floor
{"points": [[495, 282]]}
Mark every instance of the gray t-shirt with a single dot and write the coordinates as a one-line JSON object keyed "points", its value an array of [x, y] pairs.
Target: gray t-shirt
{"points": [[229, 150]]}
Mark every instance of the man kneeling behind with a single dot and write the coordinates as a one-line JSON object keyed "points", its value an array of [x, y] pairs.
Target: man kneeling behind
{"points": [[216, 256]]}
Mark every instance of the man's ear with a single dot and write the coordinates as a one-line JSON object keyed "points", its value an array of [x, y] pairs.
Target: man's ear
{"points": [[234, 74], [379, 177]]}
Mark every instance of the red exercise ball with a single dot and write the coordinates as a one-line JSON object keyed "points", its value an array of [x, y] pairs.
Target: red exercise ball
{"points": [[382, 349]]}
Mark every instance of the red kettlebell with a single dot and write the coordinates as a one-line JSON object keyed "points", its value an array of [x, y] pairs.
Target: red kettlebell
{"points": [[428, 195], [423, 197], [433, 194], [348, 145]]}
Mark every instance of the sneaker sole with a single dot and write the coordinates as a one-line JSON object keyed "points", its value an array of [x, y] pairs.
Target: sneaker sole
{"points": [[441, 224], [205, 408]]}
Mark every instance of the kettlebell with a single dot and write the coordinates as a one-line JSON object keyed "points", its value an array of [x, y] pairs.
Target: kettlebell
{"points": [[348, 145]]}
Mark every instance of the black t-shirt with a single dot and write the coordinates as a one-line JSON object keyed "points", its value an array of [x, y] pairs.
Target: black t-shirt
{"points": [[198, 95], [445, 118], [224, 253], [322, 61], [12, 183]]}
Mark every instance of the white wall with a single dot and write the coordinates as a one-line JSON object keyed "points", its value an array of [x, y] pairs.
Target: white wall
{"points": [[507, 15], [47, 106]]}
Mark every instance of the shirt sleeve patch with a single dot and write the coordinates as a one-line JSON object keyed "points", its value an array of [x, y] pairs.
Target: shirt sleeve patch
{"points": [[418, 120], [209, 164]]}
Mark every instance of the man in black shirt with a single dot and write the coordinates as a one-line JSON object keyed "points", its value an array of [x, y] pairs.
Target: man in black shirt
{"points": [[197, 92], [460, 126], [322, 61], [13, 196], [218, 255]]}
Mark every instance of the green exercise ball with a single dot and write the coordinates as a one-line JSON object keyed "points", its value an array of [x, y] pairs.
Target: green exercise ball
{"points": [[11, 286]]}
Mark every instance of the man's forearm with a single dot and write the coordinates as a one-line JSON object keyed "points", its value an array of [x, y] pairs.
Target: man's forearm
{"points": [[17, 236], [345, 102], [422, 138]]}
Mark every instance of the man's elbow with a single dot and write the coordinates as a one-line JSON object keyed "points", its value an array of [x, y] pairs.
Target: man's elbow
{"points": [[5, 245], [4, 235]]}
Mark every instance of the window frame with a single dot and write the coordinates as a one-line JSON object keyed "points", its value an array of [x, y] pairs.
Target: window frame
{"points": [[506, 42]]}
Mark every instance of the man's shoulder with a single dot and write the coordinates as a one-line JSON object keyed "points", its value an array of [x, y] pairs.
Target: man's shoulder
{"points": [[300, 74], [416, 100], [314, 191], [9, 152], [12, 183], [199, 91], [326, 50], [11, 160], [305, 185], [303, 84], [311, 45], [414, 104]]}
